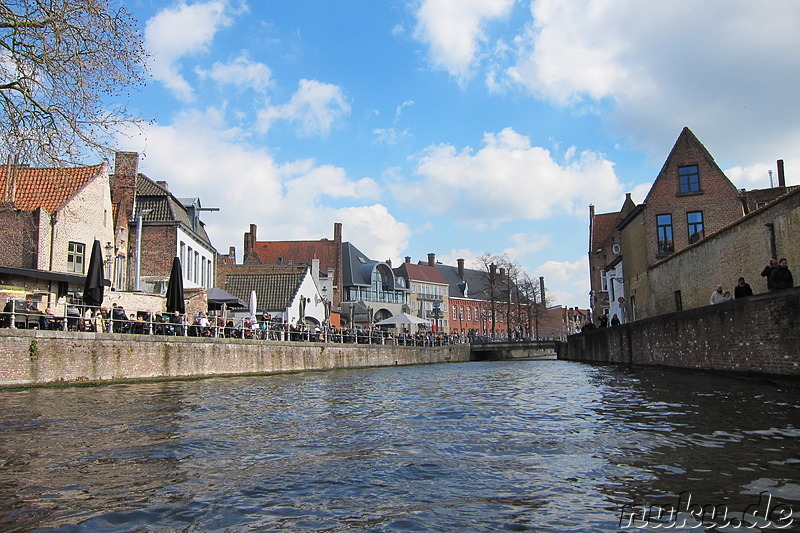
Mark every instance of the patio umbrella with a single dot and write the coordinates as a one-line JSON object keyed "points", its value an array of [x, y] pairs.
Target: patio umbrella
{"points": [[218, 297], [402, 318], [93, 287], [175, 289], [253, 306]]}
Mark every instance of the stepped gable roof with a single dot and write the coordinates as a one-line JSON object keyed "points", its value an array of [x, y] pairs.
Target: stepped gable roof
{"points": [[48, 188], [299, 252], [275, 290], [424, 273], [165, 207]]}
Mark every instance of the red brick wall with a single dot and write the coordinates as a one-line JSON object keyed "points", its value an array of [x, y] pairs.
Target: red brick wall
{"points": [[719, 200], [760, 334], [19, 234]]}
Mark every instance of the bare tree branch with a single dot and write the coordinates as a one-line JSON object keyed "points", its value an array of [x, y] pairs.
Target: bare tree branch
{"points": [[64, 65]]}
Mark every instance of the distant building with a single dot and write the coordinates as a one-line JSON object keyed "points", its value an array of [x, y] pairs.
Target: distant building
{"points": [[359, 290], [287, 292], [428, 292]]}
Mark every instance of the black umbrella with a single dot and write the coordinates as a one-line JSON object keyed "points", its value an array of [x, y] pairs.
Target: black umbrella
{"points": [[175, 289], [93, 288]]}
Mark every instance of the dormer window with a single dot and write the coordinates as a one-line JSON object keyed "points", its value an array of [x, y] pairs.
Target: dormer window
{"points": [[688, 179]]}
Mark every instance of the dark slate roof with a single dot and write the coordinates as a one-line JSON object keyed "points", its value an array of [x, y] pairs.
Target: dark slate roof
{"points": [[475, 285], [275, 291], [357, 269], [166, 207]]}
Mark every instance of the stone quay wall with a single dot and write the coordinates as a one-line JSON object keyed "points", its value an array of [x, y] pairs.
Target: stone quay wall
{"points": [[36, 357], [756, 335]]}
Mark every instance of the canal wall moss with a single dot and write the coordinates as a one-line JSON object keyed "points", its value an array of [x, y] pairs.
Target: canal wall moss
{"points": [[759, 334], [34, 357]]}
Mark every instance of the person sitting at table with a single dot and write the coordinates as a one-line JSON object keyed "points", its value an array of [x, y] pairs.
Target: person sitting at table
{"points": [[73, 317], [119, 319]]}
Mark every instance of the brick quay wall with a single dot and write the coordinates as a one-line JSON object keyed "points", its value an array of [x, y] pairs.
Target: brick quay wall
{"points": [[34, 357], [756, 335]]}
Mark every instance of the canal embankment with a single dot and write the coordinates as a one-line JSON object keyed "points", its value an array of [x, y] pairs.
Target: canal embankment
{"points": [[758, 335], [40, 357]]}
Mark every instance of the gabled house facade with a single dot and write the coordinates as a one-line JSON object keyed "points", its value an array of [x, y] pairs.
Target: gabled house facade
{"points": [[287, 292], [324, 255], [49, 219], [689, 208], [428, 295], [170, 227]]}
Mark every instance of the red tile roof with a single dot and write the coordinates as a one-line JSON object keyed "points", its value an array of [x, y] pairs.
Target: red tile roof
{"points": [[424, 273], [48, 188], [602, 228], [298, 252]]}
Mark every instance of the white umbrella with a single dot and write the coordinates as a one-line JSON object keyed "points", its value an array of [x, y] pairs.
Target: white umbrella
{"points": [[403, 318], [253, 306]]}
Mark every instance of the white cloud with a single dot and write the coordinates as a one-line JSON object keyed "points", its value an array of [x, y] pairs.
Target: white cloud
{"points": [[728, 70], [389, 136], [509, 179], [314, 107], [242, 72], [181, 31], [571, 280], [197, 156], [374, 231], [453, 30], [399, 110]]}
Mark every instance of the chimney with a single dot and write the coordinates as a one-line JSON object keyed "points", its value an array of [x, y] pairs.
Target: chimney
{"points": [[123, 189], [250, 240], [389, 262], [431, 259], [502, 272], [781, 176], [492, 270], [163, 184], [408, 259], [232, 253], [541, 291], [461, 269], [315, 269], [337, 232]]}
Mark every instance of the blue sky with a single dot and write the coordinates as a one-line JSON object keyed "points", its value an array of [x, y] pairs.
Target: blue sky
{"points": [[458, 127]]}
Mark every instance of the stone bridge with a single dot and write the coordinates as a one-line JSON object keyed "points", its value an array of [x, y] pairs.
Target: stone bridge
{"points": [[498, 351]]}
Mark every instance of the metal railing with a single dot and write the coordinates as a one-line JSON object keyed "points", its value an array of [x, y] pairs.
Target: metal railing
{"points": [[26, 314]]}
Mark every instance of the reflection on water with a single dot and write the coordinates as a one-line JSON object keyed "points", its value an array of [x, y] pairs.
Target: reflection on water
{"points": [[527, 445]]}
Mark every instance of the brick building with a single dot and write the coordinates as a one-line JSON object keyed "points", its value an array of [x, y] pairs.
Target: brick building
{"points": [[690, 203], [49, 219], [607, 293], [171, 227], [428, 292]]}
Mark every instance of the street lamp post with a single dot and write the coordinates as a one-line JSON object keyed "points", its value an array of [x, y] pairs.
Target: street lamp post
{"points": [[139, 246]]}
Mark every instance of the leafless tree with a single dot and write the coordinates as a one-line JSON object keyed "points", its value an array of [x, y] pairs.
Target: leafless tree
{"points": [[493, 283], [65, 66]]}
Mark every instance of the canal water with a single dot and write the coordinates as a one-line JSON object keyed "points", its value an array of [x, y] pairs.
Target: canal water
{"points": [[547, 446]]}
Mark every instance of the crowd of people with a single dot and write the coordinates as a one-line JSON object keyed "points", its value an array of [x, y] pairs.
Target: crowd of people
{"points": [[25, 314], [777, 275]]}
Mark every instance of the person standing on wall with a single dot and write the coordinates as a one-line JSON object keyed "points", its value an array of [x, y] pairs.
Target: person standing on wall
{"points": [[717, 297], [742, 289], [781, 277], [772, 265]]}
